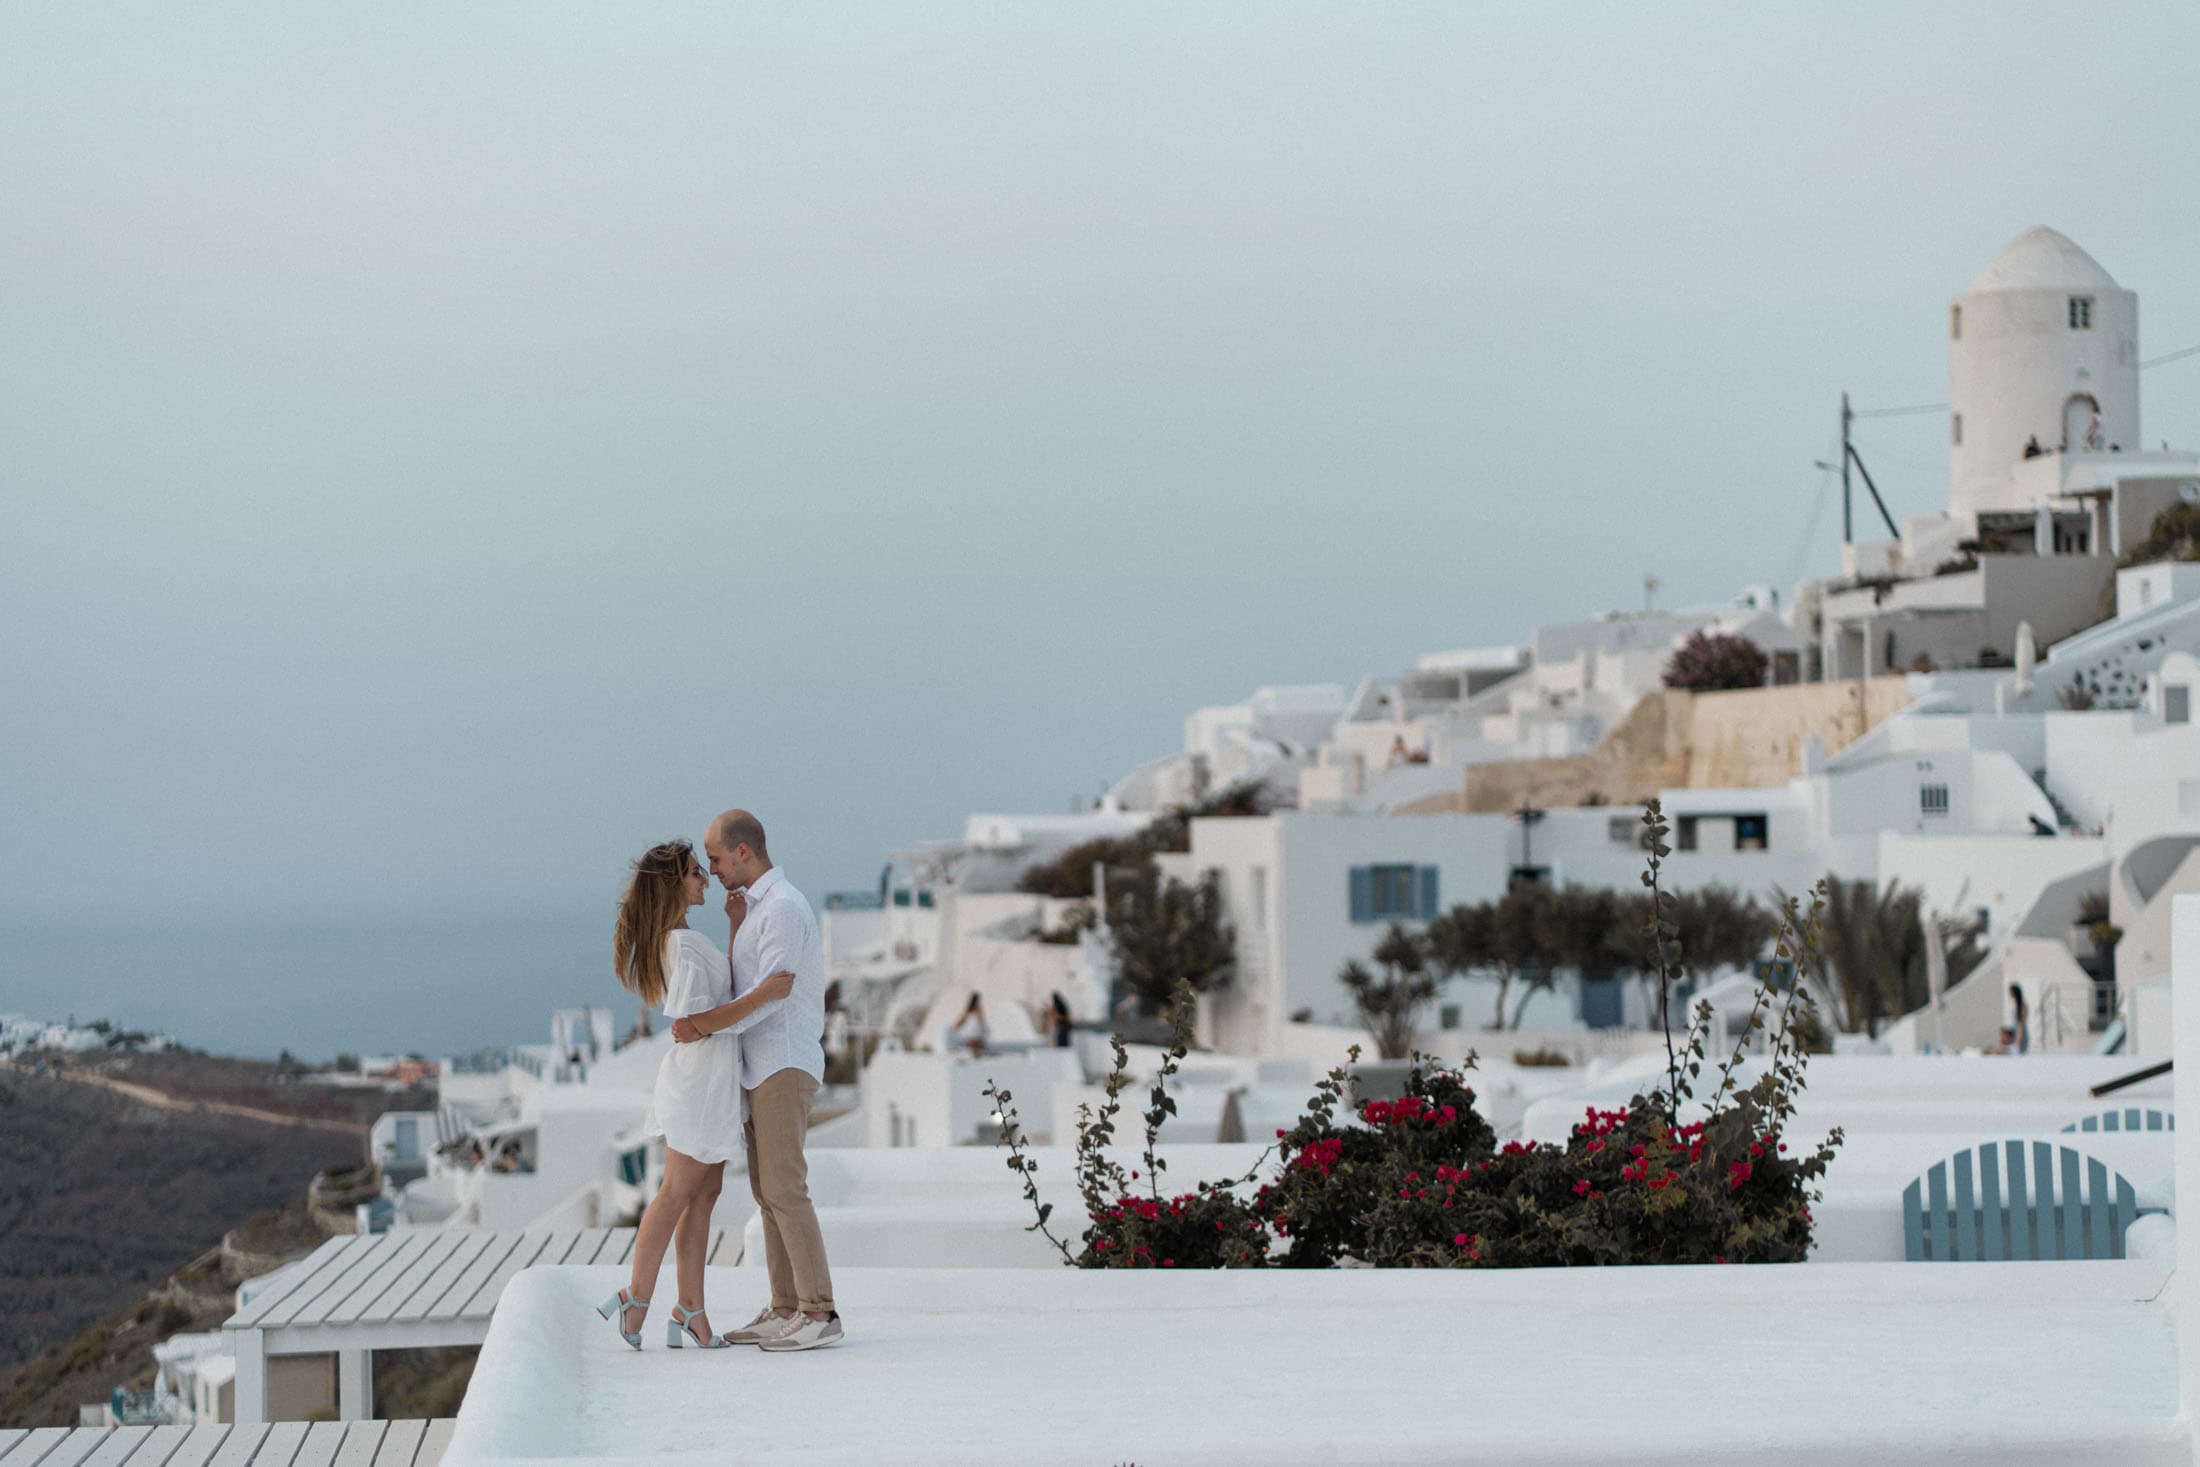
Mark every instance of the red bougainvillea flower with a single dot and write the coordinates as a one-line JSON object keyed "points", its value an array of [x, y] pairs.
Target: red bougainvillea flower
{"points": [[1459, 1240], [1737, 1174], [1581, 1188]]}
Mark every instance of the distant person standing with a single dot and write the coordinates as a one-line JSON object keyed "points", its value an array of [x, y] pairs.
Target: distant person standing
{"points": [[782, 1068], [1058, 1020], [2019, 1019], [970, 1031]]}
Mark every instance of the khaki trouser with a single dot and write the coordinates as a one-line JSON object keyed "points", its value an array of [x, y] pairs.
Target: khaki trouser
{"points": [[779, 1177]]}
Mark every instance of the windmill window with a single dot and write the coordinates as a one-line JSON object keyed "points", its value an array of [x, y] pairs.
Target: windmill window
{"points": [[1932, 799], [2081, 313]]}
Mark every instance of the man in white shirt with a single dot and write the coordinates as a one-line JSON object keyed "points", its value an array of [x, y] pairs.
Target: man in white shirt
{"points": [[782, 1066]]}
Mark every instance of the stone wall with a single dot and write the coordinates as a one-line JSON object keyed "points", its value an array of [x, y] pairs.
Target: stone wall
{"points": [[1676, 740]]}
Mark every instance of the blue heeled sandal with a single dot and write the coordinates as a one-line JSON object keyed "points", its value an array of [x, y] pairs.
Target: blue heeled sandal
{"points": [[614, 1309], [680, 1330]]}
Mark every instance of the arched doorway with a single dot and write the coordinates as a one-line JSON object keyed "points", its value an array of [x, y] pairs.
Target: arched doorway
{"points": [[2081, 415]]}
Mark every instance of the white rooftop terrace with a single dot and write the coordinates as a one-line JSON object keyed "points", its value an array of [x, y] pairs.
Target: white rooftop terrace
{"points": [[1890, 1363], [2069, 1363]]}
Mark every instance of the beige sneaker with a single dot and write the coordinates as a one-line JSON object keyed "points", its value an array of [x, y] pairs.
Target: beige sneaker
{"points": [[766, 1326], [808, 1334]]}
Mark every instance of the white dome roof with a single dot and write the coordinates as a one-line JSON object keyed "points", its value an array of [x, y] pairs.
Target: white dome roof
{"points": [[2041, 259]]}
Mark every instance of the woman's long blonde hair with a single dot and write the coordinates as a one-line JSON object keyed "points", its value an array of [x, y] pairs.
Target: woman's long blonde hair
{"points": [[655, 903]]}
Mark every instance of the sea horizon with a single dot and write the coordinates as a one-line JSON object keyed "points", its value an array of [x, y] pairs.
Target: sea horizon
{"points": [[429, 983]]}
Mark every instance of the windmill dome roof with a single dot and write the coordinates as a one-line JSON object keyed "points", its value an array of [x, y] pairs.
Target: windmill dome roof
{"points": [[2043, 259]]}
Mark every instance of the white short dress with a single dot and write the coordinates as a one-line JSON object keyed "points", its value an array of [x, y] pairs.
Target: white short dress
{"points": [[698, 1100]]}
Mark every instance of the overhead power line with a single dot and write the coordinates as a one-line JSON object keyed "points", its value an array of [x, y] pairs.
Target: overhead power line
{"points": [[1940, 407], [1901, 412]]}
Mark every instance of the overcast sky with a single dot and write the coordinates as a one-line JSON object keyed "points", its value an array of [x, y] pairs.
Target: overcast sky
{"points": [[444, 449]]}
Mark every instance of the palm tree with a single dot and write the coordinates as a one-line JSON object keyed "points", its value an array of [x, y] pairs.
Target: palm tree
{"points": [[1389, 1004], [1872, 942]]}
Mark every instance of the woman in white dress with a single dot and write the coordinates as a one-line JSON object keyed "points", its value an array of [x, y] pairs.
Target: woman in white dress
{"points": [[698, 1100]]}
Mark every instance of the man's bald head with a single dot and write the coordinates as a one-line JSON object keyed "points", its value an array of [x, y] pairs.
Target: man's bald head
{"points": [[740, 828], [736, 848]]}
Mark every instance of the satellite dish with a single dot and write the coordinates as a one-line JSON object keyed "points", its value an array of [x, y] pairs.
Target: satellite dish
{"points": [[2189, 491]]}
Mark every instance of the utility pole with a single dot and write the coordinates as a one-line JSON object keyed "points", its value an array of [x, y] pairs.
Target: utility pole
{"points": [[1527, 815], [1848, 529]]}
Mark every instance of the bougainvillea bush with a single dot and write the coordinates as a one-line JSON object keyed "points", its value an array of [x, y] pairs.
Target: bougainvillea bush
{"points": [[1699, 1169]]}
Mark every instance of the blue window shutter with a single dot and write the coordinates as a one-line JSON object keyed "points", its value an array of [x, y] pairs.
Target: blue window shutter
{"points": [[1428, 892], [1363, 893]]}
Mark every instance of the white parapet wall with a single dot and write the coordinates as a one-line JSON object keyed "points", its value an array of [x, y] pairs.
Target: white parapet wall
{"points": [[2185, 973]]}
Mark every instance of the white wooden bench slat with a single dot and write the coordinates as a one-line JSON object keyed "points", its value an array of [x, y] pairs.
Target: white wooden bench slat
{"points": [[328, 1255], [450, 1304], [281, 1444], [384, 1268], [399, 1444], [38, 1445], [241, 1445], [332, 1283], [394, 1294], [484, 1299], [554, 1251], [471, 1246], [159, 1447], [323, 1440], [120, 1443], [403, 1256], [434, 1441], [580, 1249], [361, 1443], [72, 1449], [199, 1445], [585, 1246]]}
